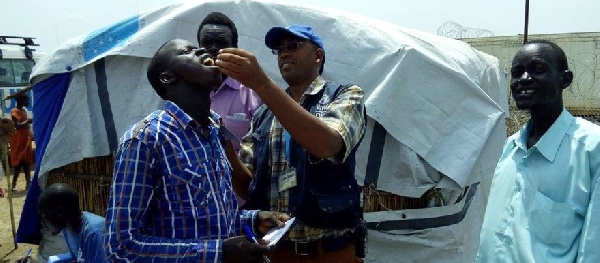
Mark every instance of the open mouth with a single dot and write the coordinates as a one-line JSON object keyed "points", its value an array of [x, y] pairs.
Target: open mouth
{"points": [[207, 60]]}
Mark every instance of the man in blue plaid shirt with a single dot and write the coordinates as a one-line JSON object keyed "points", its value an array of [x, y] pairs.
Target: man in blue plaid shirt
{"points": [[171, 199]]}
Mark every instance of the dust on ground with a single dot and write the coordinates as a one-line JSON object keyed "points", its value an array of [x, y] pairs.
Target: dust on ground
{"points": [[8, 253]]}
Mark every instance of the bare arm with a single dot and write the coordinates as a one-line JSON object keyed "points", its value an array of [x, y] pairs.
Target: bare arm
{"points": [[241, 176], [313, 134]]}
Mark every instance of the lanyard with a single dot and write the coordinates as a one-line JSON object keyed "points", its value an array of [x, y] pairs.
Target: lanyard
{"points": [[288, 152]]}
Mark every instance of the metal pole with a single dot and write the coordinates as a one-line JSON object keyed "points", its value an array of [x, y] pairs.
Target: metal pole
{"points": [[526, 22]]}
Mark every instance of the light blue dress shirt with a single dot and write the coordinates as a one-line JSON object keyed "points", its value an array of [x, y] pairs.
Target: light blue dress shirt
{"points": [[544, 203]]}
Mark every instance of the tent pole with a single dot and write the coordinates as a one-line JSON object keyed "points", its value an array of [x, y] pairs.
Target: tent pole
{"points": [[526, 22]]}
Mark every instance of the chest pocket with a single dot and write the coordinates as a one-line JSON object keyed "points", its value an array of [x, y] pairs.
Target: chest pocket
{"points": [[554, 223], [190, 186], [237, 122]]}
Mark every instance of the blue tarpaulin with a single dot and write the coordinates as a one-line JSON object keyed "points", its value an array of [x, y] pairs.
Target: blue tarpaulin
{"points": [[50, 94]]}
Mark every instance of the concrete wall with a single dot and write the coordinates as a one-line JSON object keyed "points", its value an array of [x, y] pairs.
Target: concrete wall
{"points": [[583, 54]]}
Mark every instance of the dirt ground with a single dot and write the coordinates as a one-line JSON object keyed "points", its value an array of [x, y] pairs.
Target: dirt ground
{"points": [[8, 253]]}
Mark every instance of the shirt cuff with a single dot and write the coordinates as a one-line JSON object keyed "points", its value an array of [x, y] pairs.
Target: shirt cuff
{"points": [[250, 218]]}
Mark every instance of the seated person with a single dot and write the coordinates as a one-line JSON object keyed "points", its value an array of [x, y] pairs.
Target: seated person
{"points": [[58, 206]]}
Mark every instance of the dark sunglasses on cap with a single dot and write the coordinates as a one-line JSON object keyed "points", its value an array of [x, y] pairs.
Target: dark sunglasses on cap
{"points": [[290, 46]]}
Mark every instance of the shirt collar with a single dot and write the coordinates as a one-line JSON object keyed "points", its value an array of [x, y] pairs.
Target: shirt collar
{"points": [[315, 86], [231, 83], [550, 142], [184, 119]]}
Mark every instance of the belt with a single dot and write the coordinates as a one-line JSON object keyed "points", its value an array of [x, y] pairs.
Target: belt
{"points": [[327, 244]]}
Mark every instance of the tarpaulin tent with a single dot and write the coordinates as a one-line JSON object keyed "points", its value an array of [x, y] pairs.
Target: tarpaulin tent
{"points": [[439, 97]]}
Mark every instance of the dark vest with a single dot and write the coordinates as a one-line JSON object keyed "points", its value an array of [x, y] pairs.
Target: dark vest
{"points": [[326, 195]]}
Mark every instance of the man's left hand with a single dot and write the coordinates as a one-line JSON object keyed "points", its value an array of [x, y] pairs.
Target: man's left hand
{"points": [[239, 249], [270, 219]]}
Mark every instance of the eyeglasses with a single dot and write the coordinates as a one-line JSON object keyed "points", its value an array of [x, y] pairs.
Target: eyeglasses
{"points": [[290, 46]]}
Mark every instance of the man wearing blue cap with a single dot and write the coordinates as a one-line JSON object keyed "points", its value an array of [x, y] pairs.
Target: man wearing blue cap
{"points": [[301, 145]]}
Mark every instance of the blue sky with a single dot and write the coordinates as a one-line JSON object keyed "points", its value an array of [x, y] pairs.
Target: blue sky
{"points": [[55, 21]]}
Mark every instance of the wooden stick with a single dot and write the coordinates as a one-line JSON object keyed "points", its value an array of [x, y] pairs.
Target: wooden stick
{"points": [[10, 196]]}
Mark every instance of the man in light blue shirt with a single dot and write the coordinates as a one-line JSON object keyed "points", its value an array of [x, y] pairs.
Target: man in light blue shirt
{"points": [[544, 203]]}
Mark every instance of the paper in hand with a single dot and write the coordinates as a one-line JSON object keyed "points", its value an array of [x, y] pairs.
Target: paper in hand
{"points": [[273, 236]]}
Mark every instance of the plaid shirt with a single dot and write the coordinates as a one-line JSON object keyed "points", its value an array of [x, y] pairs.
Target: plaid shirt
{"points": [[345, 115], [171, 199]]}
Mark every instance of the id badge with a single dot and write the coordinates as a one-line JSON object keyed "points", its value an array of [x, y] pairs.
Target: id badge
{"points": [[287, 179]]}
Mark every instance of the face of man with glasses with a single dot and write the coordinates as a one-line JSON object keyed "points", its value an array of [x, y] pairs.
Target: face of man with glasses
{"points": [[299, 60], [291, 46]]}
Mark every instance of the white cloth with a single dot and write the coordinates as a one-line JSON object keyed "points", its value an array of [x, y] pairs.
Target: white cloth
{"points": [[452, 243], [442, 121], [51, 245], [440, 98], [431, 93]]}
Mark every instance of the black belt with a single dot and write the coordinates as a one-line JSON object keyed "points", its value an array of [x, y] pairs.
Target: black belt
{"points": [[327, 244]]}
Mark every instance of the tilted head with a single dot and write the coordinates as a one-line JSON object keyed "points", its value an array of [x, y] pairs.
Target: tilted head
{"points": [[179, 69], [217, 31], [539, 74], [58, 205], [300, 52]]}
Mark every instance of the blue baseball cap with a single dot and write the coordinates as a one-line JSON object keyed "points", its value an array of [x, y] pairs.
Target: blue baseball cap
{"points": [[275, 34], [305, 32]]}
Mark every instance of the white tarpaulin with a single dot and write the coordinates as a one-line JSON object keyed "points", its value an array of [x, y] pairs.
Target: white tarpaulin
{"points": [[439, 97]]}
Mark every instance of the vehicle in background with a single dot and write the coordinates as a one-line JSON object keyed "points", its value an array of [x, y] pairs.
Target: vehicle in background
{"points": [[17, 58]]}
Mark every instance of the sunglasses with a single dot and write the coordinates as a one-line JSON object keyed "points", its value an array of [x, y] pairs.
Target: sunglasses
{"points": [[290, 46]]}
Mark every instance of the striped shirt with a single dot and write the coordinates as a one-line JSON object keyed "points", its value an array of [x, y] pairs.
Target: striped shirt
{"points": [[171, 198], [345, 115]]}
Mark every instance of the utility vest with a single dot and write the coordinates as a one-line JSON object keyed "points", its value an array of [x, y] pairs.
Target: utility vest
{"points": [[327, 194]]}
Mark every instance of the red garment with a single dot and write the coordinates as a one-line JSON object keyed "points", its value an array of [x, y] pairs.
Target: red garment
{"points": [[20, 141]]}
